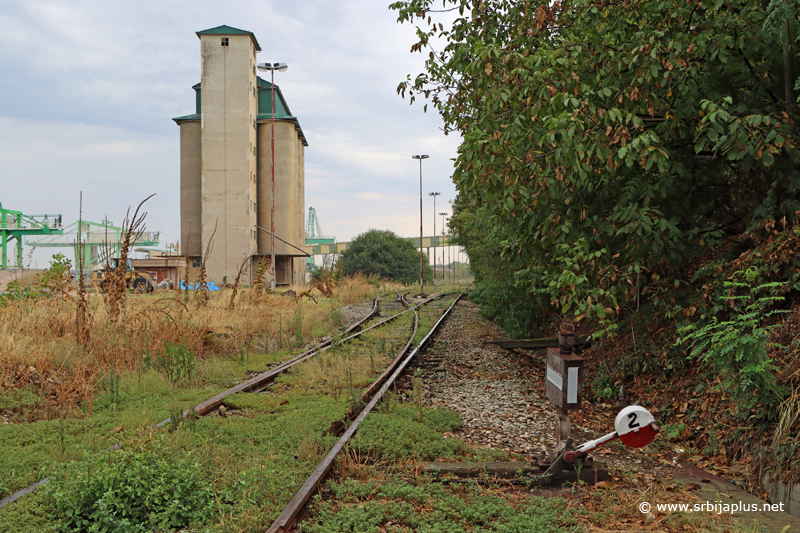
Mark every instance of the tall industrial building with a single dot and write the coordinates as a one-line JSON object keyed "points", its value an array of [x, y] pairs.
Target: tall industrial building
{"points": [[225, 166]]}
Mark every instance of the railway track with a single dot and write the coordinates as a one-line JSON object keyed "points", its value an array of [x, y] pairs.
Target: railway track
{"points": [[371, 396], [402, 322]]}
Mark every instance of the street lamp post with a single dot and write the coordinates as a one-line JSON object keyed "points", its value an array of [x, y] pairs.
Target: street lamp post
{"points": [[434, 194], [449, 262], [421, 284], [443, 215], [272, 67]]}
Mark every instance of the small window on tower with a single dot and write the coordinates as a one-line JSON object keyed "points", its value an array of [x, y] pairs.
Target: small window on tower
{"points": [[224, 41]]}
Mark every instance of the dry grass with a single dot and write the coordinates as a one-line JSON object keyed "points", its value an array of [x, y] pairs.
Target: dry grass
{"points": [[613, 505], [202, 284], [39, 350]]}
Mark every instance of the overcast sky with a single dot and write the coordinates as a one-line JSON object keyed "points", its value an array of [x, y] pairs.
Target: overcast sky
{"points": [[88, 90]]}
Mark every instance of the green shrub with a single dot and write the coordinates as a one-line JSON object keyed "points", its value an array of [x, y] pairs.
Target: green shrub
{"points": [[737, 347], [143, 486], [382, 254]]}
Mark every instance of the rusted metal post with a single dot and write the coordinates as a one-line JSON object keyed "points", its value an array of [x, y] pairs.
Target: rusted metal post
{"points": [[563, 429], [272, 170], [272, 67]]}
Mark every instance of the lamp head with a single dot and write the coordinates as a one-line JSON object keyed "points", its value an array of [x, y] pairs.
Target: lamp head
{"points": [[280, 67], [419, 157], [434, 193]]}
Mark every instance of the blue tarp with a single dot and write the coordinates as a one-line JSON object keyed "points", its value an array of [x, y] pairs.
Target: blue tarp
{"points": [[194, 286]]}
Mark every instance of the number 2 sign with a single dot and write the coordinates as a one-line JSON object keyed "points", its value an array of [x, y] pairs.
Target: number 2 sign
{"points": [[634, 425]]}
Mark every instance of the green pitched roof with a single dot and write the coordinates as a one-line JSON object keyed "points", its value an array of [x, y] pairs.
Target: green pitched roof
{"points": [[265, 101], [228, 30], [282, 111]]}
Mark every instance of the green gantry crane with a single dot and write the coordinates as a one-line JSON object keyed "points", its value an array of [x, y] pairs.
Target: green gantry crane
{"points": [[14, 225], [99, 241], [314, 236]]}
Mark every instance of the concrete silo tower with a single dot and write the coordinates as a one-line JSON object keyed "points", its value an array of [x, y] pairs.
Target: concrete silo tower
{"points": [[225, 166]]}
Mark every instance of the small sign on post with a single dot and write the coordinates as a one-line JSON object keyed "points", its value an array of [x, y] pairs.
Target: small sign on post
{"points": [[564, 373]]}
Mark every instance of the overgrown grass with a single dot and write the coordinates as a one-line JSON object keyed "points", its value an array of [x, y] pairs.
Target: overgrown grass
{"points": [[28, 449], [254, 458], [38, 348], [397, 433], [427, 506]]}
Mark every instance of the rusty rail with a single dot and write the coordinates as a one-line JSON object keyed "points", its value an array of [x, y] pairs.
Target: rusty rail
{"points": [[287, 519]]}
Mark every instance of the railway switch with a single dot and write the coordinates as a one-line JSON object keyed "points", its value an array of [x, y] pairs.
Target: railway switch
{"points": [[634, 425], [563, 383]]}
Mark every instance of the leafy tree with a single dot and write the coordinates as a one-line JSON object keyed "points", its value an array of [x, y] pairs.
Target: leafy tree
{"points": [[384, 254], [606, 143], [512, 307]]}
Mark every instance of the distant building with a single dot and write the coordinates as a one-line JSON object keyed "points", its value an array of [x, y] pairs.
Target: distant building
{"points": [[162, 266], [225, 166]]}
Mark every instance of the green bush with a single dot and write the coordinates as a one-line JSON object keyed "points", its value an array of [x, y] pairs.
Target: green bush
{"points": [[600, 149], [737, 347], [383, 254], [143, 486]]}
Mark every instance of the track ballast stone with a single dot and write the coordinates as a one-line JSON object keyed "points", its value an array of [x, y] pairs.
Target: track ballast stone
{"points": [[496, 392]]}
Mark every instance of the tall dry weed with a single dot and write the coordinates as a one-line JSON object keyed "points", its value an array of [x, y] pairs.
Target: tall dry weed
{"points": [[242, 266], [202, 283], [133, 227], [40, 351], [258, 283], [186, 273], [82, 330]]}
